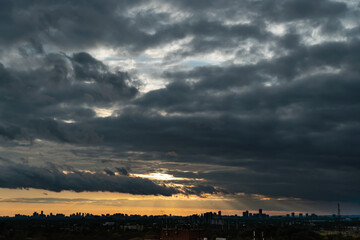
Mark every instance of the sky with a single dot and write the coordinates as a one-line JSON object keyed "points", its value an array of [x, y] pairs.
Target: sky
{"points": [[182, 107]]}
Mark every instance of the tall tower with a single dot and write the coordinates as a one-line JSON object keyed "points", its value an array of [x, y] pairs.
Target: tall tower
{"points": [[339, 219]]}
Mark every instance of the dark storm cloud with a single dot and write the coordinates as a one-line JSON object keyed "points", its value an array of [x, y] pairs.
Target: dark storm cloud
{"points": [[199, 189], [302, 9], [67, 23], [123, 171], [57, 90], [316, 184], [9, 132], [208, 36], [53, 179], [282, 123], [284, 10], [303, 124], [73, 25], [284, 70]]}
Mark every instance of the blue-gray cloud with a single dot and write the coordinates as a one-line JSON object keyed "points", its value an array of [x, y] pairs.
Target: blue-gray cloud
{"points": [[281, 106]]}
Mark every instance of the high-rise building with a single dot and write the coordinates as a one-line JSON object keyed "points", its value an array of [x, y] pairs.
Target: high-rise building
{"points": [[246, 214]]}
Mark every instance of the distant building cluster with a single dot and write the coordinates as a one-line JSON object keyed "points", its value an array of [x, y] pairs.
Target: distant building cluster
{"points": [[205, 226], [215, 218], [246, 214]]}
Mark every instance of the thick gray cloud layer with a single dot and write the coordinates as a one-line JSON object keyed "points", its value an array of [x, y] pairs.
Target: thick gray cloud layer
{"points": [[53, 179], [282, 107]]}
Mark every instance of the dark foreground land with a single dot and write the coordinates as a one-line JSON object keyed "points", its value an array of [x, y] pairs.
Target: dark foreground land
{"points": [[176, 228]]}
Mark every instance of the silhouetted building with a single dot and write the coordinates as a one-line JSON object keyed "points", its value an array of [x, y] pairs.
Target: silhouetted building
{"points": [[246, 214], [208, 217]]}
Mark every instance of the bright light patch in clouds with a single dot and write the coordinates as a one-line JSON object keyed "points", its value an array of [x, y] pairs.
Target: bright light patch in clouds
{"points": [[103, 112], [276, 29], [162, 51], [104, 53], [162, 177]]}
